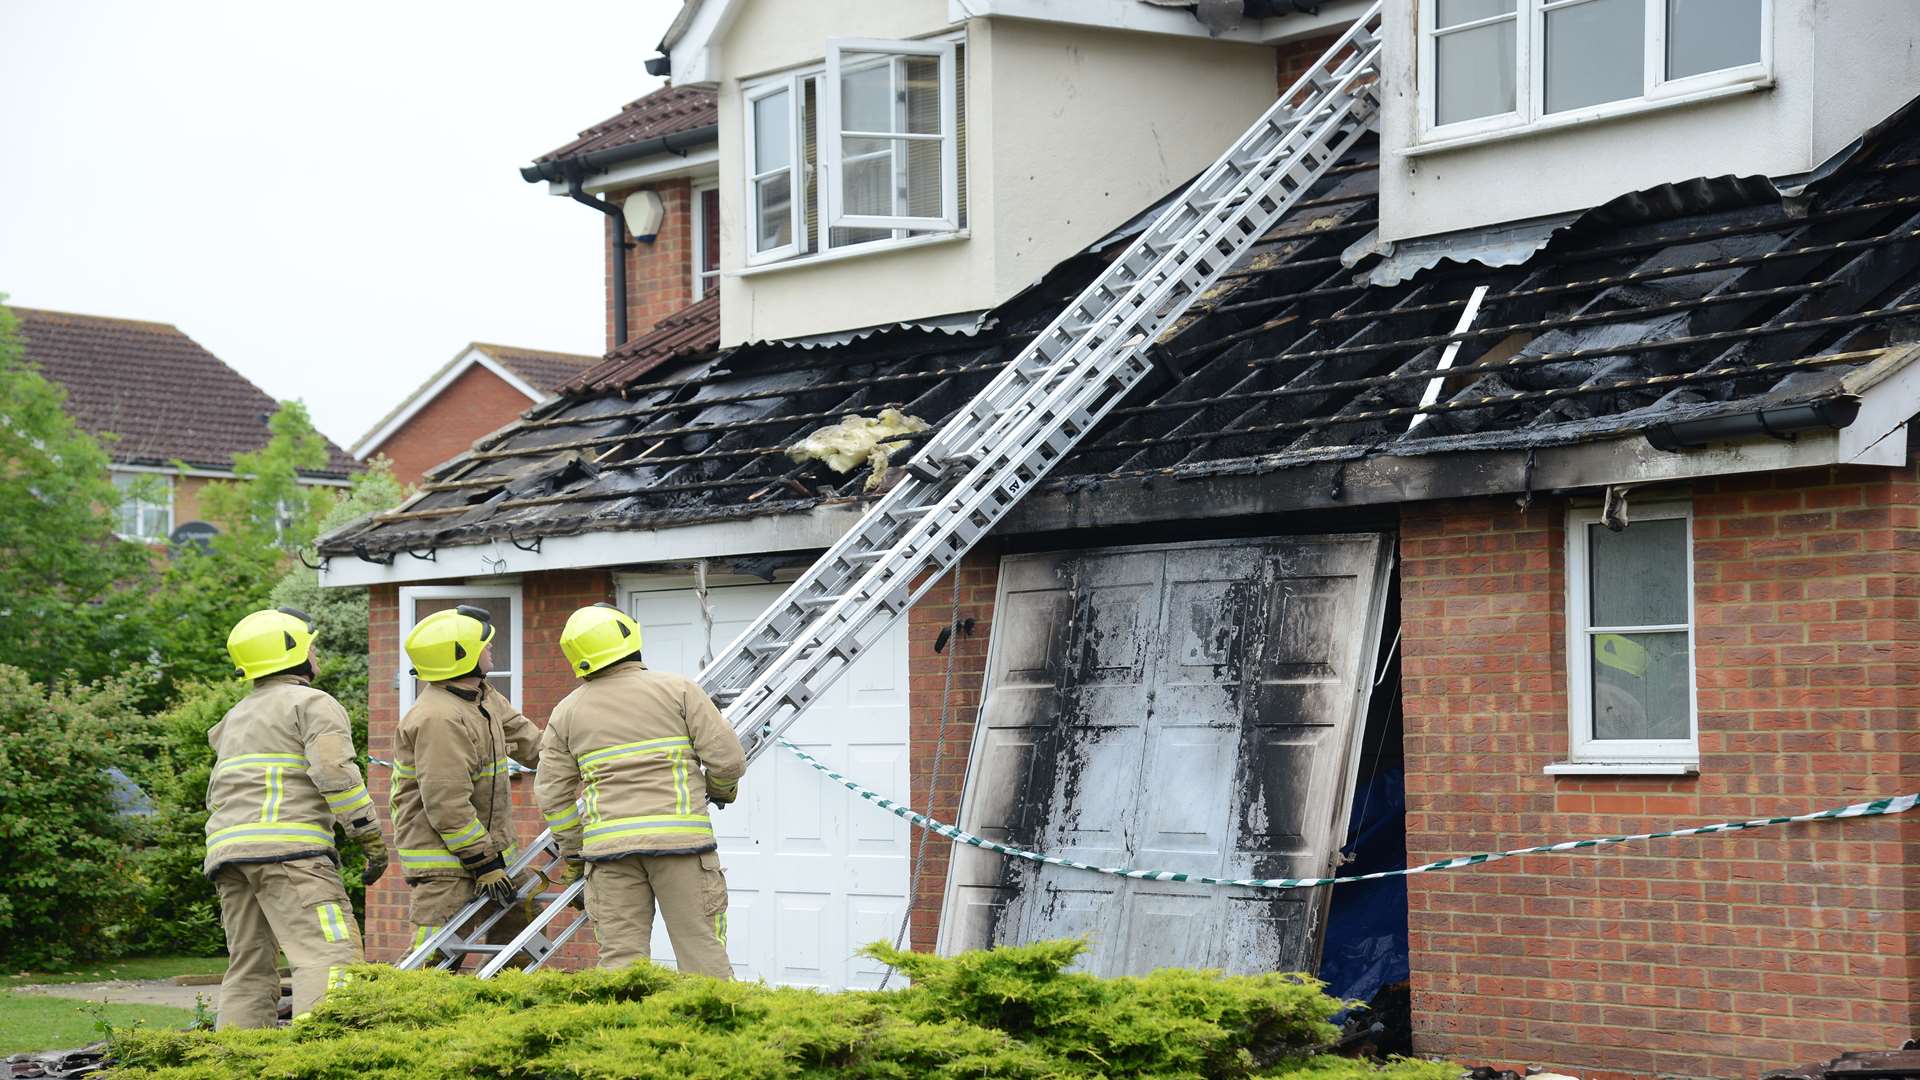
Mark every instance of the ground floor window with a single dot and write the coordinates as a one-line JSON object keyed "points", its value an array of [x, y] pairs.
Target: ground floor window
{"points": [[1630, 636], [501, 601]]}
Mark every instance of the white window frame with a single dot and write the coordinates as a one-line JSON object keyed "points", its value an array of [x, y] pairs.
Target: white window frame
{"points": [[166, 480], [1581, 744], [831, 136], [704, 281], [409, 597], [1657, 91], [796, 174]]}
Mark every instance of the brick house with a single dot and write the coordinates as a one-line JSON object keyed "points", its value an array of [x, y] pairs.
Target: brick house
{"points": [[171, 414], [1305, 603], [482, 388]]}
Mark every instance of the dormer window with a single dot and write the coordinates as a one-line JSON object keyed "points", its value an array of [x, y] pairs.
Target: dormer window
{"points": [[862, 152], [1494, 65]]}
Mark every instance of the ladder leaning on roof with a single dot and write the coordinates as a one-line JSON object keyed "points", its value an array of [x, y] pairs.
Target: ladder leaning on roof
{"points": [[994, 450]]}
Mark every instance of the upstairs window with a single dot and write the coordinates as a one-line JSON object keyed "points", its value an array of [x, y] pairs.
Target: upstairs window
{"points": [[146, 506], [861, 152], [1493, 64], [1630, 637]]}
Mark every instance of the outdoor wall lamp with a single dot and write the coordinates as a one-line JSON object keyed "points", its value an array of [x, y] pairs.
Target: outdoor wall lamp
{"points": [[644, 211]]}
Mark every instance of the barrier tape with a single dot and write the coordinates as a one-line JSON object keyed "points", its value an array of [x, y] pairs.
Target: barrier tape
{"points": [[1898, 804]]}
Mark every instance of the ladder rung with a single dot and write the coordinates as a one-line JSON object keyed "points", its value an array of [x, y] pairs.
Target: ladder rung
{"points": [[868, 556], [820, 601]]}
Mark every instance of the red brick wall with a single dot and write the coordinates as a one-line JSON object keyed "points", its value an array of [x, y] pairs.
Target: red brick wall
{"points": [[927, 681], [659, 274], [548, 599], [1710, 956], [475, 403], [1294, 58]]}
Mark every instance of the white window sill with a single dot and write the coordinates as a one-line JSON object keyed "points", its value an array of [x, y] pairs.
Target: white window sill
{"points": [[1597, 114], [1623, 768], [876, 247]]}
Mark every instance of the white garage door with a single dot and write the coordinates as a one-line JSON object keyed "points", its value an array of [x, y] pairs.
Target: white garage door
{"points": [[813, 873]]}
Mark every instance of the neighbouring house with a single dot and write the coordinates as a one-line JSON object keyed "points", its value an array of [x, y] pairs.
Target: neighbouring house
{"points": [[170, 414], [1542, 474], [482, 388]]}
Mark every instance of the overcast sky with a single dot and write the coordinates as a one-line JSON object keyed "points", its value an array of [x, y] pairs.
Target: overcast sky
{"points": [[325, 195]]}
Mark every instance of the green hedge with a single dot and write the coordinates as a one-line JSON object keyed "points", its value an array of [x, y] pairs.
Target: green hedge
{"points": [[1011, 1012]]}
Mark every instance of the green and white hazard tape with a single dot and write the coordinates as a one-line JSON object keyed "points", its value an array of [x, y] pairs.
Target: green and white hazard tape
{"points": [[1898, 804]]}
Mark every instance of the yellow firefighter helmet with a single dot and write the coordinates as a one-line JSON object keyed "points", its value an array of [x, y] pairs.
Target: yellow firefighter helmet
{"points": [[271, 640], [597, 636], [446, 644]]}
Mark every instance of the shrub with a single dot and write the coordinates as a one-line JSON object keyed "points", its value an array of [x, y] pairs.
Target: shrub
{"points": [[66, 842], [1011, 1012]]}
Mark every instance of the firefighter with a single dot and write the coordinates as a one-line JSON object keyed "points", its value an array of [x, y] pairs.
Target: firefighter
{"points": [[452, 809], [283, 775], [653, 751]]}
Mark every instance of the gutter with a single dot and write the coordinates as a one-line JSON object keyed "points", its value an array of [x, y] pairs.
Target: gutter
{"points": [[595, 161], [1781, 422]]}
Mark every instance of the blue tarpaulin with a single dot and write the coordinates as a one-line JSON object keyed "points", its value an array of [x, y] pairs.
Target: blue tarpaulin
{"points": [[1366, 942]]}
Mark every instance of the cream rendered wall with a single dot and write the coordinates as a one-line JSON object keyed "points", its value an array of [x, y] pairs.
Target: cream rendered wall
{"points": [[1070, 130], [1839, 67]]}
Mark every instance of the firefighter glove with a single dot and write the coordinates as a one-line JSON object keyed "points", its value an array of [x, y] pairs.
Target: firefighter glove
{"points": [[375, 847], [490, 877]]}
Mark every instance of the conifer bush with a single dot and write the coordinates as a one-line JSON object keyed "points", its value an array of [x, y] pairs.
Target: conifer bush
{"points": [[1012, 1013]]}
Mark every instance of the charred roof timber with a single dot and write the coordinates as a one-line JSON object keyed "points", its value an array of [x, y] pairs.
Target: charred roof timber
{"points": [[1731, 314]]}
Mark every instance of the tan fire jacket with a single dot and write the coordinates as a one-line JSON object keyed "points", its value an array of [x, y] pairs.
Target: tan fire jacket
{"points": [[649, 748], [283, 773], [451, 801]]}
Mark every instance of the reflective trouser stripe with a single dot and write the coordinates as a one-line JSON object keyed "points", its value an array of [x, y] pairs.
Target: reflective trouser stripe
{"points": [[336, 977], [720, 927], [332, 926], [422, 933]]}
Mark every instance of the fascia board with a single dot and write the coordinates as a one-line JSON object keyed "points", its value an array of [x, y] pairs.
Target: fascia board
{"points": [[698, 164], [694, 53], [1103, 14], [810, 530]]}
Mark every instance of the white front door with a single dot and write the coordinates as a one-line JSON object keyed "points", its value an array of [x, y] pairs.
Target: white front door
{"points": [[813, 873]]}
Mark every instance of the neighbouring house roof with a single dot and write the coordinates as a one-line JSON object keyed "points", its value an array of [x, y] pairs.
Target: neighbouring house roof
{"points": [[1624, 322], [672, 110], [537, 373], [162, 395]]}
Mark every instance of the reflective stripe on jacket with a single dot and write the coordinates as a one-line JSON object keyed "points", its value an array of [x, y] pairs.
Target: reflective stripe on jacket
{"points": [[628, 762], [451, 803], [283, 774]]}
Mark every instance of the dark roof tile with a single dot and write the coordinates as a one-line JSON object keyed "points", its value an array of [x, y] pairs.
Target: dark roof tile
{"points": [[164, 396], [544, 371], [667, 111], [692, 330]]}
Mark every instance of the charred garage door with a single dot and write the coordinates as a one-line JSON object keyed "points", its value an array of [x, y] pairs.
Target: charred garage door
{"points": [[1190, 708]]}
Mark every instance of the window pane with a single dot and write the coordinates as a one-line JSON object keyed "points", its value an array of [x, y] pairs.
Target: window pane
{"points": [[773, 210], [709, 231], [922, 77], [1708, 35], [1641, 687], [772, 144], [867, 170], [1596, 52], [500, 607], [1475, 73], [866, 95], [925, 187], [1638, 576], [1454, 12]]}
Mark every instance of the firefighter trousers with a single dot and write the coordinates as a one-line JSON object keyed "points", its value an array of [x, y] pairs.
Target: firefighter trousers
{"points": [[433, 902], [298, 907], [692, 893]]}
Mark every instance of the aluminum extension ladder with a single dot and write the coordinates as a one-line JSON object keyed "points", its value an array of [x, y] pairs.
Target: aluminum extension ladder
{"points": [[990, 453]]}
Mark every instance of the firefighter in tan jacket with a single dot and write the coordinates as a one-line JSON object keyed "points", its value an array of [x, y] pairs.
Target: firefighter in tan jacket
{"points": [[452, 809], [283, 775], [641, 753]]}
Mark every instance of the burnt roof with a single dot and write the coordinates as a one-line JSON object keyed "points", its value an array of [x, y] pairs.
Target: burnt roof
{"points": [[162, 395], [671, 110], [1733, 297]]}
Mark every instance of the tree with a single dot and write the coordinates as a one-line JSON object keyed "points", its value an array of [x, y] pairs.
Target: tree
{"points": [[268, 508], [64, 604]]}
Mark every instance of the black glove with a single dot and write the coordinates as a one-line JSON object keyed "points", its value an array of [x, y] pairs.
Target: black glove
{"points": [[490, 878], [375, 847]]}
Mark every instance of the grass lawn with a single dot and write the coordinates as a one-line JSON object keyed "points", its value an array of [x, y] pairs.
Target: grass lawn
{"points": [[132, 967], [38, 1022]]}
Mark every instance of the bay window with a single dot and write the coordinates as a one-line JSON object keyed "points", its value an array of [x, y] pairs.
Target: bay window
{"points": [[1493, 64], [862, 151]]}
